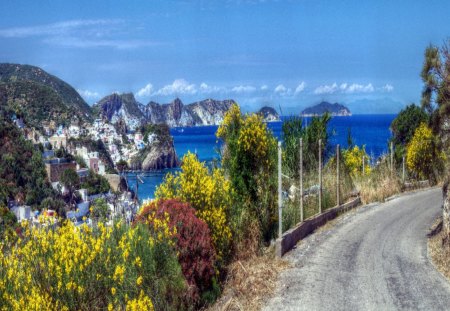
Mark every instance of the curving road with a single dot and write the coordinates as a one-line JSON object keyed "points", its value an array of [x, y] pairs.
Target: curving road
{"points": [[373, 258]]}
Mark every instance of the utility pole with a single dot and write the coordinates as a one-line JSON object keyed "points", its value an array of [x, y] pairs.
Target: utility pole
{"points": [[280, 198], [320, 176], [363, 165], [403, 169], [301, 180], [337, 176], [392, 157]]}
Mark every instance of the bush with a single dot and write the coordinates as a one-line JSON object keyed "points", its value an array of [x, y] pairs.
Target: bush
{"points": [[79, 268], [194, 247], [353, 159], [403, 128], [423, 156], [208, 193], [249, 159]]}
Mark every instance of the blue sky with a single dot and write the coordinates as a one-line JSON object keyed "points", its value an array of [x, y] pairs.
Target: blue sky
{"points": [[366, 54]]}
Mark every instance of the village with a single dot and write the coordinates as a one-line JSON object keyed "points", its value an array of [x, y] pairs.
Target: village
{"points": [[60, 153]]}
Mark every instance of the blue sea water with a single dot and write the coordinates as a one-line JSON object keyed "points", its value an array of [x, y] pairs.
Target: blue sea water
{"points": [[369, 130]]}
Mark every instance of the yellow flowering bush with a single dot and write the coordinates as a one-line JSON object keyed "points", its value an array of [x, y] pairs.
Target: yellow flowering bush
{"points": [[353, 159], [80, 268], [249, 156], [207, 192], [422, 155]]}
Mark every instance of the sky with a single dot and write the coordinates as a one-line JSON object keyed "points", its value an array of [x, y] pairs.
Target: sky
{"points": [[288, 54]]}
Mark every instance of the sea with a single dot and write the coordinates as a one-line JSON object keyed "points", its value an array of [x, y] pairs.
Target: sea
{"points": [[372, 131]]}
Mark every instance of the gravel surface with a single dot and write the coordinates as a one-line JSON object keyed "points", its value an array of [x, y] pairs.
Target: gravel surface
{"points": [[373, 258]]}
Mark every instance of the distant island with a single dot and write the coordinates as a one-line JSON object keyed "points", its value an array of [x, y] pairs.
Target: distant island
{"points": [[336, 110], [269, 114]]}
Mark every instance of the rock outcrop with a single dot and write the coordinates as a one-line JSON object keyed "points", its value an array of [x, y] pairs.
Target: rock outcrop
{"points": [[156, 156], [206, 112], [269, 114], [125, 109], [159, 153], [160, 157], [120, 108]]}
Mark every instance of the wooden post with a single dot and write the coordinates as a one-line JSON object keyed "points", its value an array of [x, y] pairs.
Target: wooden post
{"points": [[403, 169], [280, 198], [337, 177], [301, 180], [392, 157], [320, 176], [363, 167]]}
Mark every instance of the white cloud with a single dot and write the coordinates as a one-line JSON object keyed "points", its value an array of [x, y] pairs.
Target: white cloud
{"points": [[326, 89], [88, 94], [345, 88], [264, 88], [387, 88], [80, 34], [243, 89], [75, 42], [178, 87], [208, 89], [145, 91], [359, 88], [280, 89], [54, 29], [300, 88]]}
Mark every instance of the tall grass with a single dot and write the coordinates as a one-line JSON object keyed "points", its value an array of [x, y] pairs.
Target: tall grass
{"points": [[380, 184]]}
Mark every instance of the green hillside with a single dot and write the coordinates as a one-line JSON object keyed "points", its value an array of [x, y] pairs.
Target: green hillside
{"points": [[36, 103], [25, 73]]}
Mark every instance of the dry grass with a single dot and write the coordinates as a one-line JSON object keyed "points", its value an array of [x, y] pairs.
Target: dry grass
{"points": [[376, 191], [250, 283], [440, 253]]}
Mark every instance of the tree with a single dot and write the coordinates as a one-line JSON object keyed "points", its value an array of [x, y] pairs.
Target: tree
{"points": [[436, 78], [70, 180], [95, 183], [293, 130], [100, 209], [55, 204], [423, 157], [8, 222], [404, 126], [122, 165], [22, 171]]}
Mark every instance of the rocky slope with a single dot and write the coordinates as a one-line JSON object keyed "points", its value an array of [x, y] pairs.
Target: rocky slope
{"points": [[25, 73], [160, 151], [324, 107], [157, 157], [269, 114], [206, 112], [116, 108]]}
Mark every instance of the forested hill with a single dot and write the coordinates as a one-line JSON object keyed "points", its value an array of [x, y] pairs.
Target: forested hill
{"points": [[10, 73], [325, 107], [22, 171], [35, 103]]}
